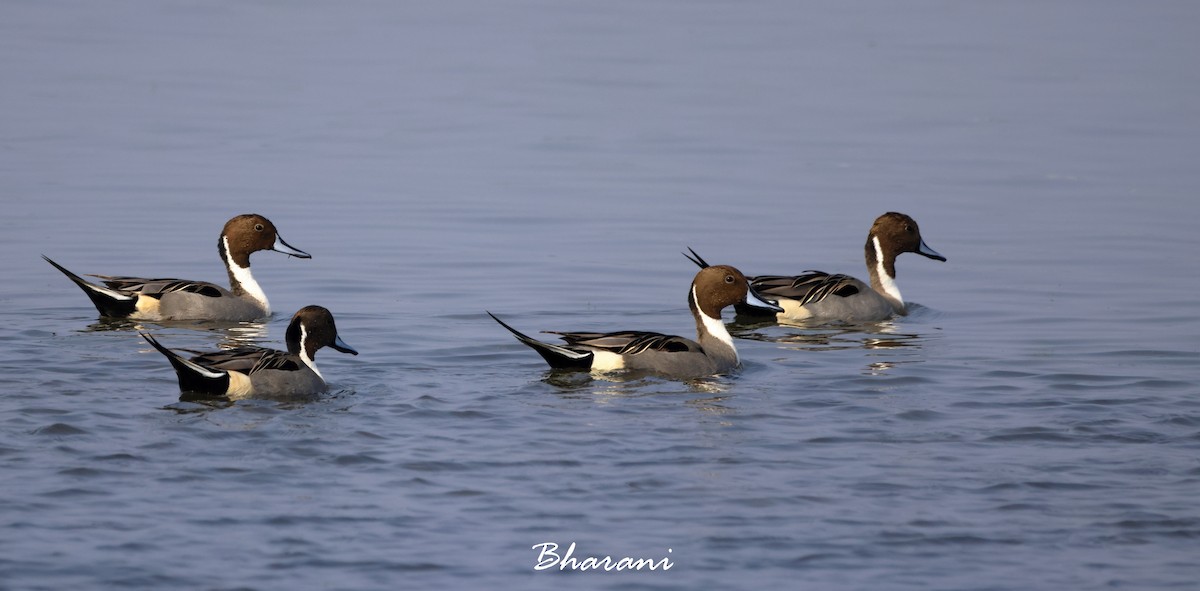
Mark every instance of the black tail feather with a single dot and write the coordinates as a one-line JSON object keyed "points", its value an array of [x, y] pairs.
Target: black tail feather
{"points": [[695, 258], [104, 300], [213, 383], [558, 357]]}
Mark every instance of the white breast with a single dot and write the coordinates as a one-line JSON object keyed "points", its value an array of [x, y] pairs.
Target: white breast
{"points": [[245, 279], [887, 282]]}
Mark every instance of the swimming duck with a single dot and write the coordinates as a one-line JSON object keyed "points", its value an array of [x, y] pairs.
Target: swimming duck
{"points": [[815, 295], [713, 289], [177, 299], [245, 372]]}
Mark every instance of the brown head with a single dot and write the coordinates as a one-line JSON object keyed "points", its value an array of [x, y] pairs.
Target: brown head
{"points": [[311, 328], [249, 233], [719, 286], [898, 233]]}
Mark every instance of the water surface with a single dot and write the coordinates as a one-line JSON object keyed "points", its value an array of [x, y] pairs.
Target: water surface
{"points": [[1032, 424]]}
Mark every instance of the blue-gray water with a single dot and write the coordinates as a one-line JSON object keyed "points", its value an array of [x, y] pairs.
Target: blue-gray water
{"points": [[1034, 424]]}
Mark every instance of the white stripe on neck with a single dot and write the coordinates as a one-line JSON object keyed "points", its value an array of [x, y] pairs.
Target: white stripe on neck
{"points": [[715, 327], [245, 279], [309, 361], [887, 282]]}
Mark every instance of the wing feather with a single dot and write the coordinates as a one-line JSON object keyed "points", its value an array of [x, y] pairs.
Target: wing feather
{"points": [[809, 287], [160, 287], [248, 360], [627, 342]]}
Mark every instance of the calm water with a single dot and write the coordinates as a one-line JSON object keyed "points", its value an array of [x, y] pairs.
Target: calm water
{"points": [[1035, 423]]}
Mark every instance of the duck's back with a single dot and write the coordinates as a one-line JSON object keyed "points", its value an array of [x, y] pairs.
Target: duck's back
{"points": [[823, 296], [643, 351], [865, 306]]}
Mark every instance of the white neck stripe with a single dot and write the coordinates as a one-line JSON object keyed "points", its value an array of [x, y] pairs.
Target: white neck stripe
{"points": [[715, 327], [245, 279], [887, 282], [309, 361]]}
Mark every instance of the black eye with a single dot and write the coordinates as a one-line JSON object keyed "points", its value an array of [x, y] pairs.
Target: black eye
{"points": [[729, 279], [258, 227], [908, 228]]}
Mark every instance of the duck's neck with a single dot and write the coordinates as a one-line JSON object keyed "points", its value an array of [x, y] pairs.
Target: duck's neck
{"points": [[714, 338], [882, 267], [241, 281], [307, 356]]}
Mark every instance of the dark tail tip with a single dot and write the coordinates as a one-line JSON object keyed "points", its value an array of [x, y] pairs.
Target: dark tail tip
{"points": [[64, 270], [191, 381], [557, 357], [106, 304], [157, 345], [520, 336], [695, 258]]}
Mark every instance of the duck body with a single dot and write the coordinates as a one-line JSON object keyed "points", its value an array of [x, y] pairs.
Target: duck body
{"points": [[712, 353], [140, 298], [259, 372], [820, 296], [817, 295]]}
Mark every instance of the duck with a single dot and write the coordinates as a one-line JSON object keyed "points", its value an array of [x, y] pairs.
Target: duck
{"points": [[820, 296], [139, 298], [259, 372], [713, 289]]}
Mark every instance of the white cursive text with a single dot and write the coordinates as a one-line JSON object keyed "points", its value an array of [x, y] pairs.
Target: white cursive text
{"points": [[548, 558]]}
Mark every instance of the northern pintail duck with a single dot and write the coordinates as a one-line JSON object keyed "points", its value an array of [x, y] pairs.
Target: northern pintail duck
{"points": [[815, 295], [245, 372], [177, 299], [713, 289]]}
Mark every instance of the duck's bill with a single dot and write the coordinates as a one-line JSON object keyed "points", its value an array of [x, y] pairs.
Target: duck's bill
{"points": [[340, 345], [288, 249], [924, 250], [756, 301]]}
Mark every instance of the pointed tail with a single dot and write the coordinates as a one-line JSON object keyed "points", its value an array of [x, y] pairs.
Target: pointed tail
{"points": [[558, 357], [193, 377], [108, 302], [695, 258]]}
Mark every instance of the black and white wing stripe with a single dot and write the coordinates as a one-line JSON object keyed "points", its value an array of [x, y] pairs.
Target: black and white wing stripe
{"points": [[159, 287], [248, 359], [626, 342], [812, 286]]}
